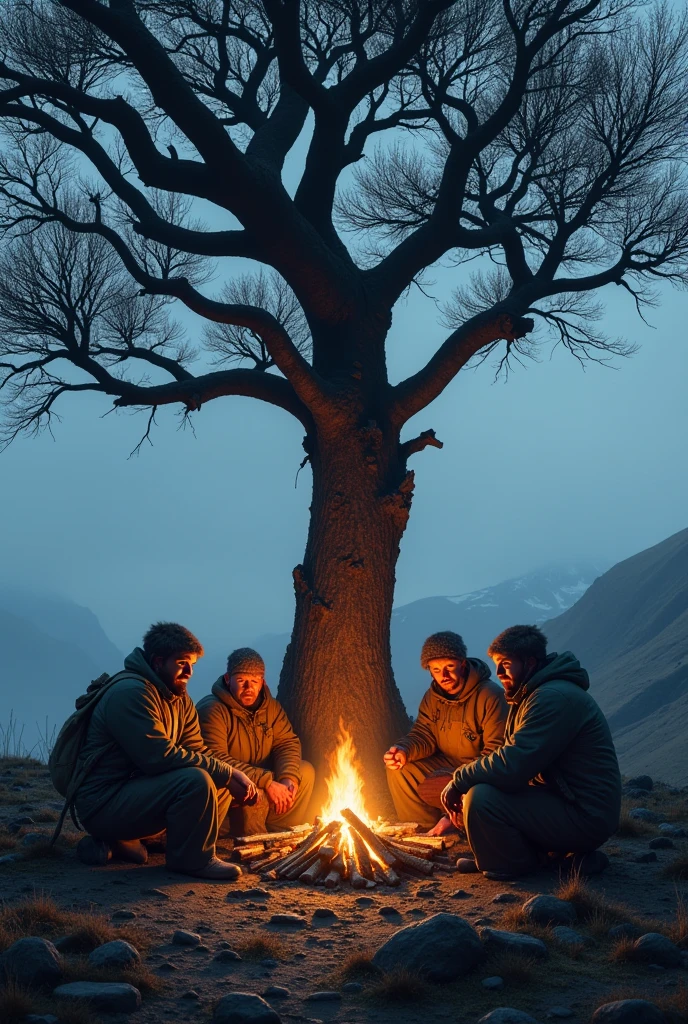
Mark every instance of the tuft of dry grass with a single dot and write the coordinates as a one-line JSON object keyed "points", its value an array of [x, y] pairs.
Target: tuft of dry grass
{"points": [[677, 868], [631, 828], [45, 815], [357, 966], [623, 951], [16, 1003], [592, 907], [400, 986], [40, 915], [514, 920], [139, 976], [7, 842], [263, 946], [514, 968]]}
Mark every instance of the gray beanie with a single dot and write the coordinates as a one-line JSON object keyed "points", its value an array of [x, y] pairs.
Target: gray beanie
{"points": [[443, 645], [245, 659]]}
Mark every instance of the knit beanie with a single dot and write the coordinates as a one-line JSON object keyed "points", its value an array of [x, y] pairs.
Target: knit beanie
{"points": [[245, 659], [443, 645]]}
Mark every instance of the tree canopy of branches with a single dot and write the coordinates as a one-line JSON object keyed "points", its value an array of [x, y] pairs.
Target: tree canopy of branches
{"points": [[543, 139]]}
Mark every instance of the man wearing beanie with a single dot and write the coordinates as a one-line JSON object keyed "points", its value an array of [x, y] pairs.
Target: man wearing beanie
{"points": [[461, 718], [554, 786], [245, 726]]}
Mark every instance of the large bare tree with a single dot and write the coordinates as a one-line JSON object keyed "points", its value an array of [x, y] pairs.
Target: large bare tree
{"points": [[544, 139]]}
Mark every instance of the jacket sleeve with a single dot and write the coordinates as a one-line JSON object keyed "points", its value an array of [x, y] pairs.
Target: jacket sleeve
{"points": [[215, 730], [133, 721], [286, 749], [494, 722], [421, 741], [548, 725]]}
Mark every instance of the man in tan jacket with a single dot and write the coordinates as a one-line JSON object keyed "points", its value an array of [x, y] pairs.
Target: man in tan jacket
{"points": [[244, 726], [461, 718]]}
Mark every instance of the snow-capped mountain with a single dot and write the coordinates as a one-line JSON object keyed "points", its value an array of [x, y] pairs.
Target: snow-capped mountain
{"points": [[481, 615]]}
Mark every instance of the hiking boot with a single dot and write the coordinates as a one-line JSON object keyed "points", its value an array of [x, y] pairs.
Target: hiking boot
{"points": [[217, 870], [95, 852], [466, 866], [131, 850]]}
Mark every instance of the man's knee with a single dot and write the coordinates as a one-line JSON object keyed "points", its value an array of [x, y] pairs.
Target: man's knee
{"points": [[196, 782], [478, 801], [307, 776]]}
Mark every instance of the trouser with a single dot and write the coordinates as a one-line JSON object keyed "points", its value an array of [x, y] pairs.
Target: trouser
{"points": [[185, 803], [251, 821], [507, 830], [409, 794]]}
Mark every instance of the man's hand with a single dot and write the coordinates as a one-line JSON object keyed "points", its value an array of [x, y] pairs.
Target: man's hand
{"points": [[242, 790], [452, 801], [281, 795], [443, 826], [395, 758]]}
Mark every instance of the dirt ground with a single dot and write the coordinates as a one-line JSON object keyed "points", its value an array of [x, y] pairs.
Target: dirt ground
{"points": [[327, 953]]}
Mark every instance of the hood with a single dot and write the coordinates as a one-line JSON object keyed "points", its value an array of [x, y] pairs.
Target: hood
{"points": [[136, 662], [563, 667], [222, 693], [478, 672]]}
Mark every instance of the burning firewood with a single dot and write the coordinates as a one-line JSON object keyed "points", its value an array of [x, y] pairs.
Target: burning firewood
{"points": [[311, 875], [424, 852], [280, 838], [409, 860], [244, 853], [270, 857], [403, 828], [332, 879], [435, 842], [360, 828], [362, 861]]}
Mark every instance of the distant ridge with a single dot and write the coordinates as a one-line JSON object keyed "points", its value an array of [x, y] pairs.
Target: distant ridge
{"points": [[630, 630]]}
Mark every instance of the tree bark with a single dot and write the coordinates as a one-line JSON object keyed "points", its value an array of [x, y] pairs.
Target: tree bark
{"points": [[338, 664]]}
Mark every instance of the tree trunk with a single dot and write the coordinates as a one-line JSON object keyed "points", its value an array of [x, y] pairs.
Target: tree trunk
{"points": [[338, 664]]}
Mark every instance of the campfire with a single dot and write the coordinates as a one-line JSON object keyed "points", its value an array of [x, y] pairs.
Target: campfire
{"points": [[343, 846]]}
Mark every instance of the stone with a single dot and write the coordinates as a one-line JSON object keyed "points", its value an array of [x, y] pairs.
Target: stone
{"points": [[624, 931], [156, 892], [269, 962], [167, 966], [643, 782], [16, 824], [182, 938], [103, 996], [661, 843], [352, 988], [41, 1018], [569, 937], [460, 894], [123, 915], [505, 1015], [559, 1013], [324, 912], [646, 858], [643, 814], [114, 954], [493, 983], [672, 830], [389, 912], [441, 948], [654, 948], [33, 961], [33, 839], [498, 941], [506, 897], [226, 956], [249, 894], [288, 921], [276, 992], [364, 901], [628, 1011], [191, 994], [544, 910], [635, 794], [244, 1008], [324, 997]]}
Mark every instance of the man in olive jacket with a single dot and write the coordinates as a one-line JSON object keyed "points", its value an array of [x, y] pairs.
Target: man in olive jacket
{"points": [[554, 785], [243, 725], [153, 771], [461, 717]]}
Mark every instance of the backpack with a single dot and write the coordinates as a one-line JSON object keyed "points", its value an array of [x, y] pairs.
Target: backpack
{"points": [[67, 771]]}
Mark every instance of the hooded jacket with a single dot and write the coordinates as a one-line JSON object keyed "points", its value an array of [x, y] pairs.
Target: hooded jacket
{"points": [[463, 727], [143, 729], [247, 738], [556, 736]]}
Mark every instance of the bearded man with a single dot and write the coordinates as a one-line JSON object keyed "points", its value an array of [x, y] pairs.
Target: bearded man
{"points": [[151, 771], [246, 727], [461, 717], [554, 786]]}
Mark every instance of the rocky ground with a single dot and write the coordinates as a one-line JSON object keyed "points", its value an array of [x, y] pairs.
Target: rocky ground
{"points": [[320, 963]]}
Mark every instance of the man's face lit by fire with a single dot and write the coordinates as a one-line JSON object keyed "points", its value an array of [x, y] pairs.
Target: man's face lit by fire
{"points": [[448, 673], [246, 687], [513, 671], [175, 671]]}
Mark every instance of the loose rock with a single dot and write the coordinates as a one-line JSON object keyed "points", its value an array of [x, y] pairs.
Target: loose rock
{"points": [[654, 948], [389, 912], [628, 1011], [106, 996], [672, 830], [276, 992], [324, 912], [570, 938], [643, 814], [191, 994], [546, 910], [442, 948], [493, 983], [324, 997], [364, 901], [33, 839], [123, 915], [182, 938], [643, 782], [17, 824], [624, 931], [226, 956], [351, 988], [156, 892], [460, 894], [249, 894], [288, 921], [244, 1008], [505, 1015], [506, 897], [41, 1018], [661, 843], [513, 942], [33, 961], [115, 954]]}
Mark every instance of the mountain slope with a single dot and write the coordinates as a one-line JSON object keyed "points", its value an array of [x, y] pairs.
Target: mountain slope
{"points": [[630, 630]]}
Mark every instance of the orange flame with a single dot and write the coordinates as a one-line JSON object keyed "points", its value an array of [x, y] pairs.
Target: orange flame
{"points": [[345, 782]]}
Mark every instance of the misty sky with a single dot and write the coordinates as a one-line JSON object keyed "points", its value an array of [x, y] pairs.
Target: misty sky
{"points": [[556, 463]]}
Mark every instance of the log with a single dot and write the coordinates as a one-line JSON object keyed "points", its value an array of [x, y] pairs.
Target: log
{"points": [[327, 853], [269, 876], [357, 880], [313, 841], [401, 828], [436, 842], [340, 865], [311, 875], [369, 837], [410, 860], [244, 853], [332, 879], [389, 875], [292, 873], [265, 837], [424, 852], [271, 857], [362, 861]]}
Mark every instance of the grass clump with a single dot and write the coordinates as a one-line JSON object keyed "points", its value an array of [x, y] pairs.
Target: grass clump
{"points": [[263, 946], [399, 986], [16, 1003], [592, 908], [139, 976], [357, 966], [677, 868], [40, 915], [631, 828], [514, 920], [514, 968]]}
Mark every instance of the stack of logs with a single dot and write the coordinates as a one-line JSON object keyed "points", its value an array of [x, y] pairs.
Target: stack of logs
{"points": [[348, 851]]}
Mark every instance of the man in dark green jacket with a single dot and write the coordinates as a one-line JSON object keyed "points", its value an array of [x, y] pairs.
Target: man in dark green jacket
{"points": [[243, 725], [154, 773], [554, 785], [461, 717]]}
